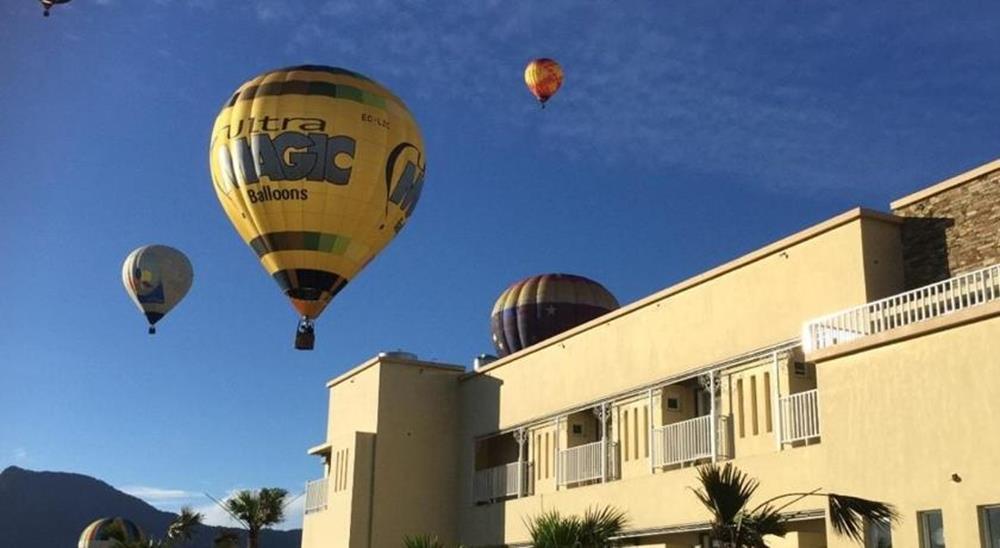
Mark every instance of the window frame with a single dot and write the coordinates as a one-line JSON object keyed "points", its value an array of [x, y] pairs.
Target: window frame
{"points": [[925, 533]]}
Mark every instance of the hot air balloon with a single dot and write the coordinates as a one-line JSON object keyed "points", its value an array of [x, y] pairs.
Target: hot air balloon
{"points": [[539, 307], [318, 168], [543, 77], [156, 277], [106, 532], [47, 5]]}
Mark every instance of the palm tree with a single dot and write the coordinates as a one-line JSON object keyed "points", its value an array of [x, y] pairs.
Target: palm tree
{"points": [[258, 510], [594, 530], [226, 539], [726, 492], [421, 541], [182, 528], [179, 531]]}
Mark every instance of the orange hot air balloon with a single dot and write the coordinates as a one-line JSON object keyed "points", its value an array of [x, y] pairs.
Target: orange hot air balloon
{"points": [[543, 77]]}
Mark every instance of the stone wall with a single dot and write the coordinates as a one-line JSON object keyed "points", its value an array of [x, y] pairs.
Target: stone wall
{"points": [[953, 231]]}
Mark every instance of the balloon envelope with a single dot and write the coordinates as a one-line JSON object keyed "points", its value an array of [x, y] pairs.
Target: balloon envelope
{"points": [[539, 307], [543, 77], [318, 168], [102, 533], [156, 277]]}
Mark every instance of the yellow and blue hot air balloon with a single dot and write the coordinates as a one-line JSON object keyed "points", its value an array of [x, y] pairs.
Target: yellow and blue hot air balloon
{"points": [[156, 277], [542, 306], [318, 168], [107, 532], [543, 77]]}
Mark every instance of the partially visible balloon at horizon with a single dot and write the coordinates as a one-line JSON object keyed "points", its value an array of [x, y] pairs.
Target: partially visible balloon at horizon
{"points": [[543, 77], [156, 278], [47, 5], [318, 168], [108, 532], [542, 306]]}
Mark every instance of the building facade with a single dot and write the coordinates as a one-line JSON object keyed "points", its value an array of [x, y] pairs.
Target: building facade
{"points": [[860, 356]]}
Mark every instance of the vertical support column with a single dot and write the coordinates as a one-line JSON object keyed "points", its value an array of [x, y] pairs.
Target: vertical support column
{"points": [[649, 432], [602, 415], [776, 401], [555, 449], [714, 419], [519, 437]]}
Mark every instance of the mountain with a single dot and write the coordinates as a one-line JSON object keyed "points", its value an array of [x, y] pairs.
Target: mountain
{"points": [[50, 510]]}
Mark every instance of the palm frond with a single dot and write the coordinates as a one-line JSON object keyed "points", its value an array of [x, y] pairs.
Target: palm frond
{"points": [[552, 530], [725, 491], [848, 514], [182, 528], [421, 541], [600, 524]]}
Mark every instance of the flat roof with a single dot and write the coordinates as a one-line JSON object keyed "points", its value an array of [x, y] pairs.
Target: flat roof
{"points": [[395, 360], [946, 184], [770, 249]]}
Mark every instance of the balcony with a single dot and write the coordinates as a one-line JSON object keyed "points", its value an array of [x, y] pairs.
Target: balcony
{"points": [[799, 416], [316, 496], [582, 464], [689, 441], [502, 482], [921, 304]]}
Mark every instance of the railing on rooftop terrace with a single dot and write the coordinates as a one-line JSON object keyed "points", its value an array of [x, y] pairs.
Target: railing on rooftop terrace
{"points": [[499, 482], [583, 463], [799, 416], [316, 495], [951, 295]]}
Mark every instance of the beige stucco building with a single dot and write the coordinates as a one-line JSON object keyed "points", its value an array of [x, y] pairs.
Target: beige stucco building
{"points": [[860, 355]]}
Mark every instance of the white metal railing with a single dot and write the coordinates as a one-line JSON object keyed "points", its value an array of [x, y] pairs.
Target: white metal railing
{"points": [[583, 463], [690, 440], [799, 416], [951, 295], [316, 495], [506, 480]]}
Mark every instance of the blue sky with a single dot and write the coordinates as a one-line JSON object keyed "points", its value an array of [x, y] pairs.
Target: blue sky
{"points": [[686, 135]]}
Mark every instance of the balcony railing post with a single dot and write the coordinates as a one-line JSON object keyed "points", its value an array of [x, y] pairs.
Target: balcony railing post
{"points": [[603, 417]]}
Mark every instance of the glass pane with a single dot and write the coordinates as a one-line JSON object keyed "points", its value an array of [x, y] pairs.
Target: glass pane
{"points": [[933, 529], [878, 534], [991, 526]]}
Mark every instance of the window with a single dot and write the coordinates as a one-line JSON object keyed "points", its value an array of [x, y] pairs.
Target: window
{"points": [[547, 455], [878, 534], [625, 433], [767, 401], [739, 403], [753, 404], [931, 529], [800, 370], [635, 433], [673, 403], [578, 429], [989, 521], [538, 460], [645, 431]]}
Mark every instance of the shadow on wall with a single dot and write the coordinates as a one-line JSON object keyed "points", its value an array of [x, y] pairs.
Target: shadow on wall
{"points": [[925, 250], [480, 524]]}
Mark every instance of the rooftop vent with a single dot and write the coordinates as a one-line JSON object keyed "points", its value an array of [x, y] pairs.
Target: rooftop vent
{"points": [[398, 355]]}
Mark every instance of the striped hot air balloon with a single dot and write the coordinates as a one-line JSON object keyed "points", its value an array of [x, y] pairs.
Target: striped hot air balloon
{"points": [[318, 168], [543, 77], [107, 532], [542, 306]]}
